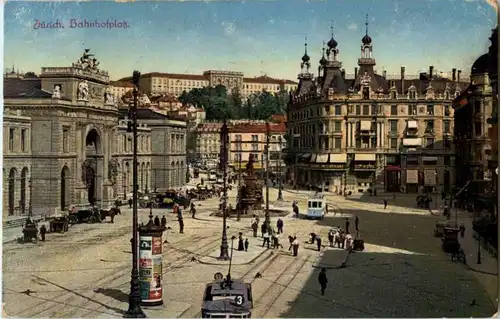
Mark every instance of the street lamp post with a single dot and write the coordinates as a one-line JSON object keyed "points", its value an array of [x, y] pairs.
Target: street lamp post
{"points": [[268, 133], [134, 301], [224, 137], [280, 194], [239, 181], [30, 207]]}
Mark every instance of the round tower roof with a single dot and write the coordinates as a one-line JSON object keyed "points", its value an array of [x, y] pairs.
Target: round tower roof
{"points": [[305, 58], [332, 44], [481, 64], [366, 39]]}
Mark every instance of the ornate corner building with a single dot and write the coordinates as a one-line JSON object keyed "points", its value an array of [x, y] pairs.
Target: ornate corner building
{"points": [[371, 130], [476, 132], [65, 143]]}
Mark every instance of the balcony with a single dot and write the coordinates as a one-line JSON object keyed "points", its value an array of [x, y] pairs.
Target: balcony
{"points": [[366, 133]]}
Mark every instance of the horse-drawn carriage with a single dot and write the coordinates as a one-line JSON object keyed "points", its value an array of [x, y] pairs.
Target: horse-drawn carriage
{"points": [[59, 224], [110, 210], [30, 232], [451, 244], [169, 198], [423, 201], [84, 213]]}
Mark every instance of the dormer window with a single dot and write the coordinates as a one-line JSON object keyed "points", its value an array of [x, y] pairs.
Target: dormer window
{"points": [[413, 95], [366, 93], [394, 94]]}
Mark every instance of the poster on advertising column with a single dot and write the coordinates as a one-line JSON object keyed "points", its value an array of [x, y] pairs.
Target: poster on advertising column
{"points": [[150, 269], [145, 265]]}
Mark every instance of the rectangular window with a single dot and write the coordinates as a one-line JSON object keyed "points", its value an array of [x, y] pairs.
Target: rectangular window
{"points": [[338, 126], [413, 109], [125, 148], [394, 110], [430, 109], [337, 143], [255, 147], [446, 127], [446, 110], [358, 109], [394, 143], [366, 110], [255, 138], [338, 110], [65, 139], [23, 140], [478, 128], [11, 139], [393, 126], [430, 142], [477, 107], [429, 127]]}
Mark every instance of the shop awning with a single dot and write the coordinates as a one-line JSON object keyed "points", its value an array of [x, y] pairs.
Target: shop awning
{"points": [[365, 157], [365, 125], [417, 141], [430, 158], [322, 158], [412, 124], [338, 158], [313, 158], [392, 168]]}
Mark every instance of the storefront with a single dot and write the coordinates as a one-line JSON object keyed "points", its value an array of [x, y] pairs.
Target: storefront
{"points": [[365, 167]]}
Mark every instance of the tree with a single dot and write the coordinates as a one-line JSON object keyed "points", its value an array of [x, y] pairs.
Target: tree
{"points": [[30, 75], [264, 104], [236, 104]]}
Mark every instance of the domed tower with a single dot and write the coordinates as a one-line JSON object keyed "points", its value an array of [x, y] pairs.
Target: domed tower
{"points": [[305, 77], [367, 81], [333, 80]]}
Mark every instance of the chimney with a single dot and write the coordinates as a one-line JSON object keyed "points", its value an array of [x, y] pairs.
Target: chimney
{"points": [[343, 73], [402, 80], [431, 68], [355, 72], [384, 74], [458, 75], [454, 74]]}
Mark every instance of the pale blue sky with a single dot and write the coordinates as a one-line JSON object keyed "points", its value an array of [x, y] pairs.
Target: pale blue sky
{"points": [[254, 37]]}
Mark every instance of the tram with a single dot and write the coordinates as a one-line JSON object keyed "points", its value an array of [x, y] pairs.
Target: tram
{"points": [[227, 297], [316, 206]]}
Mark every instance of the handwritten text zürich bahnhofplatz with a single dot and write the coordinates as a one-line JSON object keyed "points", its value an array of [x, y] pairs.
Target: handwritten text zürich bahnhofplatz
{"points": [[81, 24]]}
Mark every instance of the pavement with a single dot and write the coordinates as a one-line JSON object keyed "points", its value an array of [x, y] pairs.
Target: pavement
{"points": [[402, 273]]}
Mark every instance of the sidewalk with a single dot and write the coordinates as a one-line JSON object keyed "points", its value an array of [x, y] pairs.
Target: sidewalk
{"points": [[239, 257], [487, 270]]}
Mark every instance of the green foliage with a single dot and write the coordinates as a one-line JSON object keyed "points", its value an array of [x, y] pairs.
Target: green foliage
{"points": [[219, 104]]}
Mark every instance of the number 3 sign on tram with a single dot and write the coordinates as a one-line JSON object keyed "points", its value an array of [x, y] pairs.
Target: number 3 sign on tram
{"points": [[239, 300]]}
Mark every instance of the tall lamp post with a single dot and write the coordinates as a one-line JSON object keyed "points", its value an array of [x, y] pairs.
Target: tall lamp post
{"points": [[224, 140], [268, 133], [280, 185], [134, 300], [239, 180], [30, 207]]}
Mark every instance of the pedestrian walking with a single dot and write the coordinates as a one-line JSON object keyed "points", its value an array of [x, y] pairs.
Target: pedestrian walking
{"points": [[318, 242], [246, 244], [193, 211], [241, 244], [180, 219], [255, 225], [295, 246], [290, 241], [385, 203], [157, 221], [164, 222], [462, 230], [322, 280], [313, 238], [331, 236], [266, 240], [43, 231], [130, 202], [356, 223], [279, 224], [263, 229], [347, 223]]}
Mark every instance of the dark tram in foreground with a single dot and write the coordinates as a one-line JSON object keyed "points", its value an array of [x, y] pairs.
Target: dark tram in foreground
{"points": [[227, 298]]}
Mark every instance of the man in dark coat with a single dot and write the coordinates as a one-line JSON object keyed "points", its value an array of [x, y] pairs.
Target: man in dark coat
{"points": [[43, 231], [279, 225], [385, 203], [130, 202], [322, 280], [356, 223], [157, 221], [180, 218], [347, 223], [318, 242], [163, 222], [263, 229]]}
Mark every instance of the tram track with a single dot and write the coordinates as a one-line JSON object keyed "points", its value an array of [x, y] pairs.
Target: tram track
{"points": [[105, 280], [187, 252]]}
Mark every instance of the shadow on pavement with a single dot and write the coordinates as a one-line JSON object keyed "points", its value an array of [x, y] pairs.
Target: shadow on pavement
{"points": [[390, 285], [113, 293], [385, 282]]}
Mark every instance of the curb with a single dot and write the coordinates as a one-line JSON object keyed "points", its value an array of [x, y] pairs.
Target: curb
{"points": [[233, 263]]}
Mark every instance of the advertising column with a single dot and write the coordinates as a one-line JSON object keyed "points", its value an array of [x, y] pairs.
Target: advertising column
{"points": [[150, 263]]}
